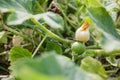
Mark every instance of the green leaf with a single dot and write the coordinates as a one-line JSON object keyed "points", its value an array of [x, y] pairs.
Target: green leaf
{"points": [[22, 10], [3, 37], [17, 53], [50, 67], [101, 17], [53, 46], [103, 21], [53, 20], [93, 66], [29, 74]]}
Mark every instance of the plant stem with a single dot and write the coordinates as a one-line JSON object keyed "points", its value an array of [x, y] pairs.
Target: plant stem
{"points": [[48, 32], [73, 56], [102, 52], [71, 6], [39, 6], [4, 53], [111, 71], [69, 21], [93, 47], [15, 32], [40, 44]]}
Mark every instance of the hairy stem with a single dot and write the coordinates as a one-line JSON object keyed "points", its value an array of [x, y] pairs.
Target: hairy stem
{"points": [[48, 32]]}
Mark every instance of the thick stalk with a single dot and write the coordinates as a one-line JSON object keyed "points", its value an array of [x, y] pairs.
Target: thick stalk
{"points": [[102, 52], [48, 32]]}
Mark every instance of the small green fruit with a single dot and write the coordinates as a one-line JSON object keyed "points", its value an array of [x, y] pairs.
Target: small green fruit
{"points": [[78, 47]]}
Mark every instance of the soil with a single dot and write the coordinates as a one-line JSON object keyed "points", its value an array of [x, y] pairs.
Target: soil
{"points": [[4, 64]]}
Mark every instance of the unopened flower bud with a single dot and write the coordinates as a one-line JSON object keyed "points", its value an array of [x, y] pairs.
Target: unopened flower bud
{"points": [[82, 34]]}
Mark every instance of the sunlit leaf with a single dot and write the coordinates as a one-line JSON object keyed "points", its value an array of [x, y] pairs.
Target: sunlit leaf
{"points": [[30, 74], [93, 66], [22, 10], [17, 53], [52, 19]]}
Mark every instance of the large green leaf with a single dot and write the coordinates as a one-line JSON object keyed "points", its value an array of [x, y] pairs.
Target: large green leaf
{"points": [[17, 53], [103, 21], [93, 66], [29, 74], [21, 10], [52, 19], [50, 67]]}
